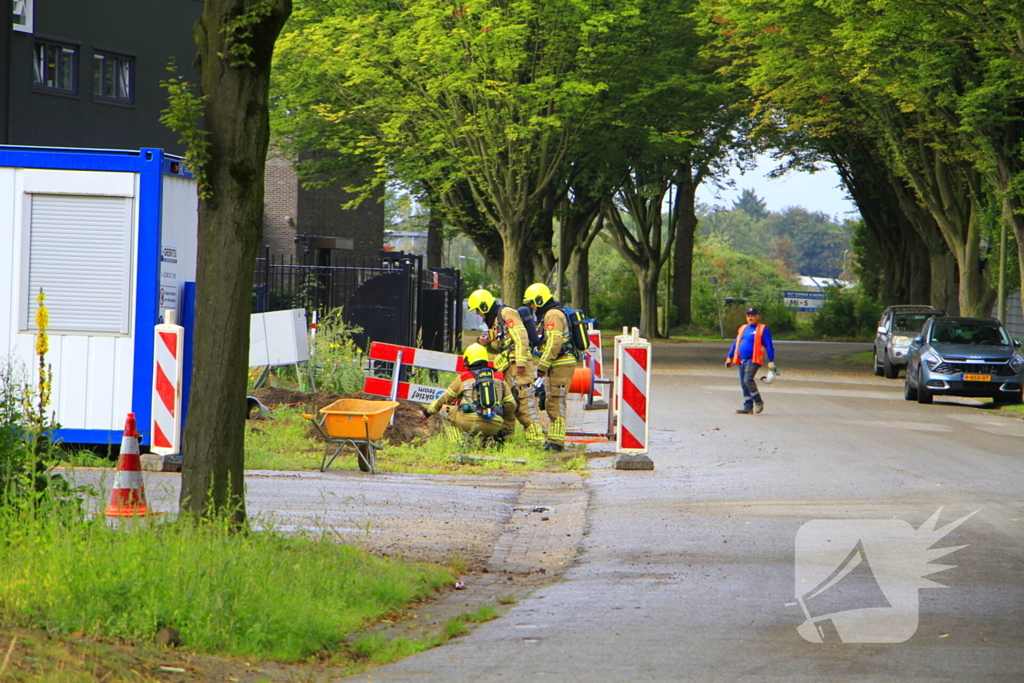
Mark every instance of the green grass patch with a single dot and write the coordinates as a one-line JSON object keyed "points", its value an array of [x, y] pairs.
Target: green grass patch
{"points": [[285, 442], [861, 359], [258, 594]]}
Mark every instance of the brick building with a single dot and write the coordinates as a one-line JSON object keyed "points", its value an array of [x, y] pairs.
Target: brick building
{"points": [[311, 224]]}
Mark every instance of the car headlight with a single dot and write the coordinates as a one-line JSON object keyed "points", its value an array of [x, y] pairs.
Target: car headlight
{"points": [[1016, 362], [931, 359], [901, 341]]}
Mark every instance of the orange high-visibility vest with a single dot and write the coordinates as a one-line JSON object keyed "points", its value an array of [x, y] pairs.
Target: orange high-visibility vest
{"points": [[758, 346]]}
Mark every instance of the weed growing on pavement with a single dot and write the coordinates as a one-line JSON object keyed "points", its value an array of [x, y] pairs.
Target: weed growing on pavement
{"points": [[282, 442], [245, 594]]}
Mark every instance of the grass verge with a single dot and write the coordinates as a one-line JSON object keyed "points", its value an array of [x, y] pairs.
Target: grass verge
{"points": [[284, 442], [262, 594]]}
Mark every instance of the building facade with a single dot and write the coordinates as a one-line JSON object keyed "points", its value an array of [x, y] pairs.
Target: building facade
{"points": [[87, 74]]}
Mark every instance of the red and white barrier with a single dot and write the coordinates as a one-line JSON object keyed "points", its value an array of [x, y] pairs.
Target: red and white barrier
{"points": [[630, 401], [421, 358], [167, 377]]}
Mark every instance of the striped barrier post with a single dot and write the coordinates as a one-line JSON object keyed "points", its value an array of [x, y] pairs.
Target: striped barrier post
{"points": [[595, 361], [169, 340], [632, 388]]}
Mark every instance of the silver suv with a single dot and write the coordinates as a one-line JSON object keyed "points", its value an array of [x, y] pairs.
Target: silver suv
{"points": [[964, 357], [896, 328]]}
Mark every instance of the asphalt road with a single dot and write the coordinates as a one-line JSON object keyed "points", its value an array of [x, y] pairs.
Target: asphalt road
{"points": [[692, 572]]}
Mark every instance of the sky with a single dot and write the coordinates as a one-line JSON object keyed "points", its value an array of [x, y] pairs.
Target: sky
{"points": [[820, 191]]}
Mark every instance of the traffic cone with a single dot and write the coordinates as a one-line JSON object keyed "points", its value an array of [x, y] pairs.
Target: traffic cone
{"points": [[128, 498]]}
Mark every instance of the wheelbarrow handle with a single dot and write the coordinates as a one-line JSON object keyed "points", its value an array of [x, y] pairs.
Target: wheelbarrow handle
{"points": [[319, 427]]}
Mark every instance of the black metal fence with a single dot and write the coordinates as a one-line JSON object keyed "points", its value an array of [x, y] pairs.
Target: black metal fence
{"points": [[392, 298]]}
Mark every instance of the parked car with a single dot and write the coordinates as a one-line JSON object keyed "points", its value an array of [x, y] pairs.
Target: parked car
{"points": [[896, 328], [964, 357]]}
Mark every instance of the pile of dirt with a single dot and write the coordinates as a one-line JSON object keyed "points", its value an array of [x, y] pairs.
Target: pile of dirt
{"points": [[407, 427]]}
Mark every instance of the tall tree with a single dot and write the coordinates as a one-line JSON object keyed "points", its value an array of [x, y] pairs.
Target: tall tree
{"points": [[490, 94], [235, 40]]}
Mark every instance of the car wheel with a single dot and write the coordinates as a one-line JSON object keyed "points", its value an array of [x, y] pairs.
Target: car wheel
{"points": [[890, 370], [878, 366], [923, 395], [909, 392]]}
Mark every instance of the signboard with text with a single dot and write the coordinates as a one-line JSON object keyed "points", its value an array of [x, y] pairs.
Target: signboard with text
{"points": [[803, 301]]}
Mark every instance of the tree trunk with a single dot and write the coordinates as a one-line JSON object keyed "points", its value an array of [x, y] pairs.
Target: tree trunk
{"points": [[435, 240], [647, 278], [682, 267], [516, 265], [236, 118], [943, 292]]}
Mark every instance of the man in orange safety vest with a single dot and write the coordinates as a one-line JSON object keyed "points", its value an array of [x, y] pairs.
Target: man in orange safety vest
{"points": [[752, 347]]}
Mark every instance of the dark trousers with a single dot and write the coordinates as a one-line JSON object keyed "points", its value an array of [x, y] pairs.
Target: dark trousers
{"points": [[748, 382]]}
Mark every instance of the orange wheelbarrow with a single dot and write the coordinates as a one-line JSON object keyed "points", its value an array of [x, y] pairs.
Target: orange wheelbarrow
{"points": [[354, 422]]}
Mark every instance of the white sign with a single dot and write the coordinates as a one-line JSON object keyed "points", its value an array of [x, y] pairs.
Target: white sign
{"points": [[803, 301]]}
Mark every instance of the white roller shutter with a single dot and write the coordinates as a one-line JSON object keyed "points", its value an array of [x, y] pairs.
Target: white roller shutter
{"points": [[79, 252]]}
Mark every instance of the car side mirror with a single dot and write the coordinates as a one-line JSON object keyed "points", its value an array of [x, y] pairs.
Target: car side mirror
{"points": [[881, 329], [1016, 344], [919, 340]]}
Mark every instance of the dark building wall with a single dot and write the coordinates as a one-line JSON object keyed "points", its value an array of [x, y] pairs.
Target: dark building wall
{"points": [[150, 31], [316, 212], [321, 213]]}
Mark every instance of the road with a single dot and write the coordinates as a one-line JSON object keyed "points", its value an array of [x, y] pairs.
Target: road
{"points": [[689, 572]]}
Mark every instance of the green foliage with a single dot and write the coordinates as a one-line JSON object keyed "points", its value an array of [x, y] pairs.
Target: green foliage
{"points": [[247, 594], [614, 291], [27, 452], [846, 314], [739, 276], [238, 32], [336, 359], [183, 115], [808, 243]]}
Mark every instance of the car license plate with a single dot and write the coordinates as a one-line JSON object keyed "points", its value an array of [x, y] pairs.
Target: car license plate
{"points": [[977, 378]]}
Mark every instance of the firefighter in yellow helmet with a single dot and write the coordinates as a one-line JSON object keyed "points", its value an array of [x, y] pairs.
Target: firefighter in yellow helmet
{"points": [[476, 400], [507, 339], [557, 360]]}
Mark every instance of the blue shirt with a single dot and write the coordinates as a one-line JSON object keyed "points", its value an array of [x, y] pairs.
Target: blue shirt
{"points": [[747, 344]]}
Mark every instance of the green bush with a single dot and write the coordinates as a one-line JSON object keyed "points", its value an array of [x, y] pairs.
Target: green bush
{"points": [[846, 314], [336, 360], [614, 292]]}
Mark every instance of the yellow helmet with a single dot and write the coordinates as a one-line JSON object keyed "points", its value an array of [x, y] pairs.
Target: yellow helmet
{"points": [[481, 300], [475, 353], [537, 293]]}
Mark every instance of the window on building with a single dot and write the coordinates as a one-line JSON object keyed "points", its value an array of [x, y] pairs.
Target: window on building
{"points": [[22, 20], [55, 67], [112, 77]]}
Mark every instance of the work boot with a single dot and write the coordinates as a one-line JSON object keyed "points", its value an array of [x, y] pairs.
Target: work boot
{"points": [[744, 411], [759, 406], [552, 446]]}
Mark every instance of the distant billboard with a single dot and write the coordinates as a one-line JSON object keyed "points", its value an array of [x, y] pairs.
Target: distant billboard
{"points": [[803, 301]]}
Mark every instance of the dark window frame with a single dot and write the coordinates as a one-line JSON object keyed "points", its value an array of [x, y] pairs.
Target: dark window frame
{"points": [[112, 77], [43, 77]]}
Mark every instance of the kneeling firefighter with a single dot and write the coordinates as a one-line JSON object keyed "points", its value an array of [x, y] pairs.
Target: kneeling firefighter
{"points": [[476, 400], [557, 359], [507, 338]]}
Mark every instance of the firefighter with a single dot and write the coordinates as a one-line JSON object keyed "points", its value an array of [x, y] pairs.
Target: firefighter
{"points": [[476, 400], [507, 339], [557, 360]]}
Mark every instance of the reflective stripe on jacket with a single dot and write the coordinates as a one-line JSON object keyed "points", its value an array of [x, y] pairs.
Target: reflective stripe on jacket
{"points": [[759, 349]]}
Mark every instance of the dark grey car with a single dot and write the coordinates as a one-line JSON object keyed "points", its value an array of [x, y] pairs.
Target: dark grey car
{"points": [[896, 329], [964, 357]]}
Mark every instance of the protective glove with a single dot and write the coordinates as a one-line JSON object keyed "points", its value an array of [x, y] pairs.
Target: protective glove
{"points": [[771, 366], [424, 415]]}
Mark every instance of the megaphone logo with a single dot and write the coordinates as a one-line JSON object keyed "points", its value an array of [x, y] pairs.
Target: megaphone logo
{"points": [[857, 580]]}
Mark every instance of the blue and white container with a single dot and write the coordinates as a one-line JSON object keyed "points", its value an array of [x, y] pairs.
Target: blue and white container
{"points": [[111, 237]]}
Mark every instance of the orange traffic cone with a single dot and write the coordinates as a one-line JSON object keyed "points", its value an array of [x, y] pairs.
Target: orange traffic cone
{"points": [[128, 498]]}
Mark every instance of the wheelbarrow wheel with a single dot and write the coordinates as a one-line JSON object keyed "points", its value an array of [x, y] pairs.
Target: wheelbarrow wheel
{"points": [[364, 454]]}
